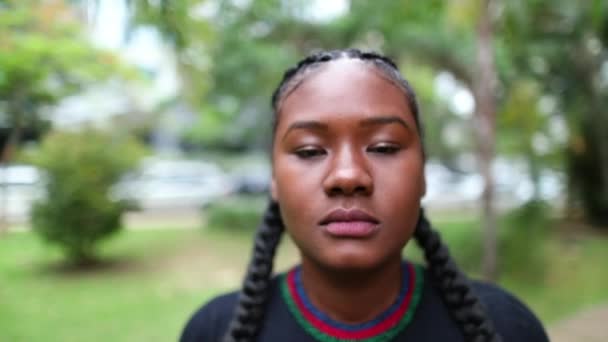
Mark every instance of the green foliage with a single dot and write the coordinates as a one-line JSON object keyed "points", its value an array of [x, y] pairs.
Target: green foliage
{"points": [[523, 241], [80, 168], [190, 33], [565, 60], [43, 58], [236, 213]]}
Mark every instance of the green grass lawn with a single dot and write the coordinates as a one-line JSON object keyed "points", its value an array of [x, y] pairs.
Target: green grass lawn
{"points": [[155, 279], [576, 278], [572, 276]]}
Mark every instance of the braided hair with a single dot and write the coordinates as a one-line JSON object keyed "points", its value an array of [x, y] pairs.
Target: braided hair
{"points": [[453, 286]]}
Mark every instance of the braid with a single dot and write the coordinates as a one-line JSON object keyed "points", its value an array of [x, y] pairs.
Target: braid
{"points": [[254, 294], [454, 286]]}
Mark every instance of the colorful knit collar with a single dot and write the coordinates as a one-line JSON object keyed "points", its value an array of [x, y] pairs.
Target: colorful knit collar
{"points": [[383, 328]]}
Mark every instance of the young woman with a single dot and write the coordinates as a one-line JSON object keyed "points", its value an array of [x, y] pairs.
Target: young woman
{"points": [[347, 180]]}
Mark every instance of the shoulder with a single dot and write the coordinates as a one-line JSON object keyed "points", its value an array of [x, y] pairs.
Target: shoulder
{"points": [[511, 318], [210, 321]]}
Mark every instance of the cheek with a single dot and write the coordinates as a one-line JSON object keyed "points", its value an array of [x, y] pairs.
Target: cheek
{"points": [[399, 190], [294, 187], [402, 180]]}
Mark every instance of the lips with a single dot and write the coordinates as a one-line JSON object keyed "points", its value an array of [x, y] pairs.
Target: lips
{"points": [[353, 223]]}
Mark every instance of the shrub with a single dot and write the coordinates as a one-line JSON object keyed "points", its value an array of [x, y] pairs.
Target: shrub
{"points": [[80, 168], [523, 243]]}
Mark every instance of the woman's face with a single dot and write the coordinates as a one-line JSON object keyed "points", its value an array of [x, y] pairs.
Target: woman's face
{"points": [[348, 167]]}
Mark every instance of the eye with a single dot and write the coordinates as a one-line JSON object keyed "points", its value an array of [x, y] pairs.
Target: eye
{"points": [[384, 148], [309, 152]]}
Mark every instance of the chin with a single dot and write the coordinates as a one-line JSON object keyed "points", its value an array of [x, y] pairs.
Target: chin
{"points": [[352, 261]]}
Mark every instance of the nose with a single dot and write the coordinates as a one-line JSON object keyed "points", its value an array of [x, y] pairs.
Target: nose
{"points": [[348, 176]]}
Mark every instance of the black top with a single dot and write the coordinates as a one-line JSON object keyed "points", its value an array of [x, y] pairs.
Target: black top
{"points": [[431, 321]]}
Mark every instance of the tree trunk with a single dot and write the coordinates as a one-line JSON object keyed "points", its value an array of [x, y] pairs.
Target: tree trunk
{"points": [[484, 85], [600, 136]]}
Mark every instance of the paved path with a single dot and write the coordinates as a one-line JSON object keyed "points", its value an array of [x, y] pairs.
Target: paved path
{"points": [[588, 326]]}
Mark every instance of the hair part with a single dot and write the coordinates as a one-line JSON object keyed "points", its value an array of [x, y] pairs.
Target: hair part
{"points": [[453, 286]]}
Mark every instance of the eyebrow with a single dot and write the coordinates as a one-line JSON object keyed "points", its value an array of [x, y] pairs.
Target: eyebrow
{"points": [[384, 120], [316, 125], [313, 125]]}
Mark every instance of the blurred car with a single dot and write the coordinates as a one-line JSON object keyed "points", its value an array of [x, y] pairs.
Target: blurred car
{"points": [[19, 175], [162, 183], [513, 186], [20, 186], [251, 179]]}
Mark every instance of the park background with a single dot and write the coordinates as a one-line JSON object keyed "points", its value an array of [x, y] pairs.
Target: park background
{"points": [[134, 138]]}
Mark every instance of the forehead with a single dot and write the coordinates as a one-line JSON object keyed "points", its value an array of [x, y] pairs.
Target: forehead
{"points": [[343, 87]]}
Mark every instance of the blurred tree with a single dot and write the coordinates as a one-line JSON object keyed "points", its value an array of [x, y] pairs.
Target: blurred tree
{"points": [[185, 26], [80, 169], [524, 130], [42, 59], [228, 62], [563, 46], [242, 44]]}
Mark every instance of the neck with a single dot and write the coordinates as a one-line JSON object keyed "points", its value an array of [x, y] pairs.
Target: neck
{"points": [[352, 296]]}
